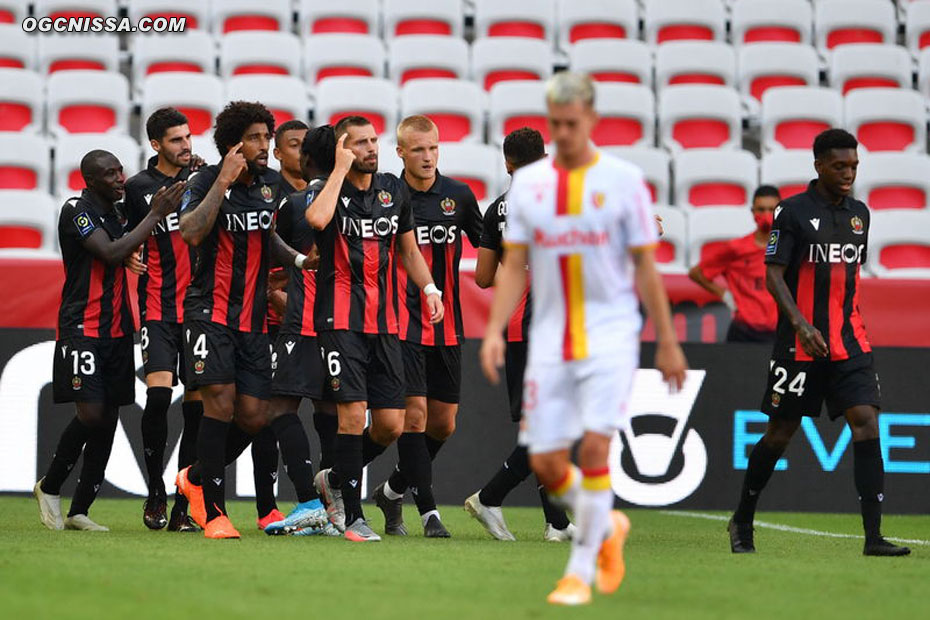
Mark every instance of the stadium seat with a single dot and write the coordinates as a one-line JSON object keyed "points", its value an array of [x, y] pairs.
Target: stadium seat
{"points": [[388, 159], [774, 65], [70, 149], [17, 49], [870, 66], [695, 62], [13, 11], [894, 181], [672, 251], [88, 102], [654, 163], [193, 51], [583, 20], [842, 22], [204, 146], [415, 17], [28, 219], [699, 116], [22, 97], [514, 105], [343, 55], [789, 171], [501, 59], [75, 8], [97, 52], [477, 165], [416, 57], [199, 97], [715, 177], [233, 15], [792, 116], [257, 51], [533, 19], [373, 98], [770, 21], [677, 20], [457, 107], [887, 119], [710, 226], [923, 72], [627, 114], [917, 27], [345, 16], [284, 95], [195, 14], [613, 60], [25, 162], [899, 244]]}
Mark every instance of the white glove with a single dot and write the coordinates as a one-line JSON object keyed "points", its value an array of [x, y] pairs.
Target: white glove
{"points": [[729, 301]]}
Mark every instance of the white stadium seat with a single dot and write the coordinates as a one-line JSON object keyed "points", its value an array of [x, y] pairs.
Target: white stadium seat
{"points": [[514, 105], [28, 219], [655, 164], [343, 17], [775, 65], [284, 95], [712, 225], [887, 119], [75, 8], [894, 181], [923, 72], [699, 116], [613, 60], [13, 11], [22, 100], [388, 159], [585, 20], [843, 22], [200, 97], [684, 20], [457, 107], [17, 48], [193, 51], [204, 146], [416, 57], [477, 165], [69, 151], [768, 21], [715, 177], [235, 15], [196, 14], [257, 51], [867, 65], [793, 116], [92, 52], [88, 102], [917, 28], [627, 114], [899, 244], [25, 162], [789, 171], [343, 55], [672, 251], [501, 59], [533, 19], [373, 98], [415, 17], [695, 62]]}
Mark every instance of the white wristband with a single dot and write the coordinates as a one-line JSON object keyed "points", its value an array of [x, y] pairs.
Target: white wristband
{"points": [[432, 289], [299, 260]]}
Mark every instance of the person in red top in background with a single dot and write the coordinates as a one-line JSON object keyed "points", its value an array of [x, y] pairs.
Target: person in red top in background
{"points": [[741, 262]]}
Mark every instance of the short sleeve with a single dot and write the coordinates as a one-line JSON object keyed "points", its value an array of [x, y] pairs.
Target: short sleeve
{"points": [[472, 222], [867, 215], [783, 239], [639, 222], [82, 224], [284, 226], [136, 209], [405, 222], [491, 227], [517, 231], [198, 184], [716, 260]]}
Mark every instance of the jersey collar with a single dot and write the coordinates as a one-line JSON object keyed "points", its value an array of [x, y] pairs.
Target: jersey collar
{"points": [[819, 199]]}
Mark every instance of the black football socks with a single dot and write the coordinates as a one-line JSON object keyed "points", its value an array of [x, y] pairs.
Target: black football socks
{"points": [[211, 462], [414, 461], [515, 470], [762, 462], [155, 436], [326, 427], [265, 470], [869, 473], [295, 451], [96, 454], [70, 445], [192, 410], [349, 465]]}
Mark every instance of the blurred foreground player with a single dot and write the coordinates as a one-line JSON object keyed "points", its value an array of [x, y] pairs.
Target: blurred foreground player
{"points": [[582, 221], [521, 147], [822, 353], [93, 365]]}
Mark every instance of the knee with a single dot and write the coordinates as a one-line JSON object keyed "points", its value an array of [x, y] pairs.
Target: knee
{"points": [[414, 420], [386, 432], [548, 469], [441, 429], [593, 451], [864, 425]]}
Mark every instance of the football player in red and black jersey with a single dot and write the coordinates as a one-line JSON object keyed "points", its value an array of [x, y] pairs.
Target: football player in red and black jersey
{"points": [[521, 147], [444, 211], [162, 286], [822, 354], [366, 223], [93, 365], [228, 214]]}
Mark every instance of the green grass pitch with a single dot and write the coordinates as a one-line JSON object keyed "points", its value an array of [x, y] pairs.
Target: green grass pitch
{"points": [[677, 567]]}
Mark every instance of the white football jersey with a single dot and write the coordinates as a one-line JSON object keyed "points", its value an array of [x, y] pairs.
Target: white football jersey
{"points": [[580, 227]]}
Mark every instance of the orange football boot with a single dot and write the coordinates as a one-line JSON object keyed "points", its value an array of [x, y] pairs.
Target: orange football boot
{"points": [[219, 528], [194, 495], [570, 590], [272, 517], [610, 565]]}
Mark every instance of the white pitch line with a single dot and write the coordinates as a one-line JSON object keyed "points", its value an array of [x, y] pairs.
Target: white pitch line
{"points": [[788, 528]]}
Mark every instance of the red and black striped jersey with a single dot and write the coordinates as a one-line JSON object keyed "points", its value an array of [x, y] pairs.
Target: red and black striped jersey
{"points": [[294, 230], [230, 279], [492, 233], [273, 317], [95, 296], [355, 280], [822, 247], [441, 214], [162, 288]]}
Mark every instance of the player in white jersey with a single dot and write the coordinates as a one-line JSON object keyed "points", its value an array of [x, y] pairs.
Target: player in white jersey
{"points": [[583, 222]]}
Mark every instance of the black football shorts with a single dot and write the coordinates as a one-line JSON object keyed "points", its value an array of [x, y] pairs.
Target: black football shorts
{"points": [[94, 370], [363, 367], [433, 372], [215, 354], [163, 348], [297, 367]]}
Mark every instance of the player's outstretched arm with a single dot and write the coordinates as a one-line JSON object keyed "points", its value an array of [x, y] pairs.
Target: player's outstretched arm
{"points": [[283, 255], [418, 271], [197, 223], [810, 337], [670, 359], [486, 268], [511, 282], [321, 211]]}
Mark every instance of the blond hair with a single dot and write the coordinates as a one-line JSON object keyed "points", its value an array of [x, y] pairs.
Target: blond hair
{"points": [[568, 87], [417, 122]]}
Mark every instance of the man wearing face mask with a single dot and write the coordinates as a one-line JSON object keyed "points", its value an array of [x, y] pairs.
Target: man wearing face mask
{"points": [[741, 263]]}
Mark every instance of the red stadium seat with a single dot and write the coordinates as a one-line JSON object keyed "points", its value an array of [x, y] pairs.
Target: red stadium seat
{"points": [[28, 220], [530, 19], [845, 22], [476, 165], [792, 116], [343, 17], [502, 59], [88, 102], [237, 15], [887, 119], [775, 65], [456, 106], [627, 114], [870, 66], [418, 57], [684, 20], [715, 177], [899, 243], [695, 62], [64, 53], [613, 60], [789, 171], [343, 55], [654, 163], [199, 96], [196, 15], [263, 53], [895, 181], [374, 98]]}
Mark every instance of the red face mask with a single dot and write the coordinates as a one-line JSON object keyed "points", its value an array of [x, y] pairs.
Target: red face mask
{"points": [[764, 221]]}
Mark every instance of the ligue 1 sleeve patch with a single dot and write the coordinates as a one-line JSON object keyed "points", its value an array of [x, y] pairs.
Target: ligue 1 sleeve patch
{"points": [[84, 224], [186, 199], [772, 246]]}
